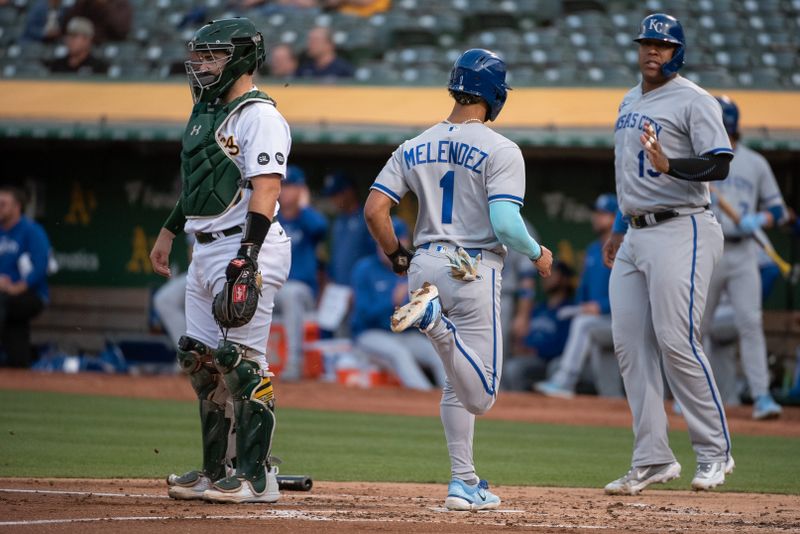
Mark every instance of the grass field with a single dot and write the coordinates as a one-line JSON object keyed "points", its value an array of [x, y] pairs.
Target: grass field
{"points": [[64, 435]]}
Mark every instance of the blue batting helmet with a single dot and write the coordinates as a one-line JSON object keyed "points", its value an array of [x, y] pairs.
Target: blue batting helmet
{"points": [[481, 73], [662, 27], [730, 115]]}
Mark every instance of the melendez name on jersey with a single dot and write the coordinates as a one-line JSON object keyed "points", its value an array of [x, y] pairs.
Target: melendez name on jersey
{"points": [[688, 122], [456, 171]]}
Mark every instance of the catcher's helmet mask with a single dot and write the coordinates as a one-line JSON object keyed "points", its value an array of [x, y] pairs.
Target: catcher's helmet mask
{"points": [[665, 28], [211, 74]]}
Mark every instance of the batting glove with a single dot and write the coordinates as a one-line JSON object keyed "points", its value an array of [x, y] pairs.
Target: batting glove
{"points": [[752, 222]]}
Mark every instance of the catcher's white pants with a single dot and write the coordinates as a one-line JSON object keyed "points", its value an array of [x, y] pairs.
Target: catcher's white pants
{"points": [[469, 341], [207, 276]]}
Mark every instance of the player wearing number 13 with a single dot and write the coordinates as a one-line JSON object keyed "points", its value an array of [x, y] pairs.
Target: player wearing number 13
{"points": [[669, 141], [470, 184]]}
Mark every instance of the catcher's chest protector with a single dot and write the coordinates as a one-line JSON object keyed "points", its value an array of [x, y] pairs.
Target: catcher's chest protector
{"points": [[211, 180]]}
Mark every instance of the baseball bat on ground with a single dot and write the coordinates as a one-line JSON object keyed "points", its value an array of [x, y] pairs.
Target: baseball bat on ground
{"points": [[295, 482], [759, 236]]}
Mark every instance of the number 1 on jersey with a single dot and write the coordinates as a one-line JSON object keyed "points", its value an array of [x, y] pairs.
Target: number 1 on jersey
{"points": [[447, 183], [651, 172]]}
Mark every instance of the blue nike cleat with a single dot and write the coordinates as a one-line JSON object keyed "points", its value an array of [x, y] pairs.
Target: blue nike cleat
{"points": [[470, 497], [423, 311]]}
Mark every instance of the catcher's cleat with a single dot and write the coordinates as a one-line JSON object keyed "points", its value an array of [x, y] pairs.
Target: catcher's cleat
{"points": [[710, 475], [239, 489], [423, 311], [470, 497], [189, 486], [638, 478]]}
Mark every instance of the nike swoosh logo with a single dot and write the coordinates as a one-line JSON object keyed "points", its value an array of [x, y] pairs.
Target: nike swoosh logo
{"points": [[482, 494], [640, 473]]}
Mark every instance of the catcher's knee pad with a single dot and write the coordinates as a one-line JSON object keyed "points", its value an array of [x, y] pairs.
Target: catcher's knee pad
{"points": [[244, 377], [196, 360]]}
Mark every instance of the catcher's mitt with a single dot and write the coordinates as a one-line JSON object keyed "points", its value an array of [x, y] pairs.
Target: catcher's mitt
{"points": [[237, 303], [463, 266]]}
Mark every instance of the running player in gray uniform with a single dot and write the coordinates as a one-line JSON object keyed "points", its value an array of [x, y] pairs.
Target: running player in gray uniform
{"points": [[470, 184], [669, 140], [750, 187]]}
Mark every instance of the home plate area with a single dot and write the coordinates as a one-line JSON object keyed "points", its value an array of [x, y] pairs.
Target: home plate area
{"points": [[88, 506]]}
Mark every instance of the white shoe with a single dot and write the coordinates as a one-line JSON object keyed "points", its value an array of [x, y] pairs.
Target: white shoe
{"points": [[189, 486], [710, 475], [638, 478], [423, 311], [238, 490]]}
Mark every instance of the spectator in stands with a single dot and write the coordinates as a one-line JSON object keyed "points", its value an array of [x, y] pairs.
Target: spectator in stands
{"points": [[350, 239], [306, 227], [547, 332], [79, 58], [377, 292], [358, 8], [593, 312], [268, 7], [321, 58], [282, 62], [111, 18], [24, 255], [44, 21]]}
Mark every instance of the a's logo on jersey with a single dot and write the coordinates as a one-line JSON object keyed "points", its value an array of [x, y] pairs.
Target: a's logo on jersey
{"points": [[279, 158], [263, 158], [230, 145], [196, 129]]}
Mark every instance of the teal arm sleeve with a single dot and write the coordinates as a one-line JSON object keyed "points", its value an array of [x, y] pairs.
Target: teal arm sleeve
{"points": [[510, 229]]}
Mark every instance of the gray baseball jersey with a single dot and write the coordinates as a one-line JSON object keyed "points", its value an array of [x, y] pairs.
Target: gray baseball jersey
{"points": [[688, 122], [455, 170], [661, 273], [750, 186]]}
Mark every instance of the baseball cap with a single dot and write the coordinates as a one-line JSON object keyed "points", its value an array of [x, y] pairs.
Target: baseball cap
{"points": [[606, 202], [400, 227], [295, 175], [80, 26], [336, 183]]}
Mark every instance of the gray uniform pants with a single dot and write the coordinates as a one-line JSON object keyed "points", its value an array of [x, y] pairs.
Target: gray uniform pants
{"points": [[737, 275], [468, 339], [658, 294], [579, 347]]}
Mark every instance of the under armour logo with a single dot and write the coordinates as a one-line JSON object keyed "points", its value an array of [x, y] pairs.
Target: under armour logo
{"points": [[657, 26], [196, 129]]}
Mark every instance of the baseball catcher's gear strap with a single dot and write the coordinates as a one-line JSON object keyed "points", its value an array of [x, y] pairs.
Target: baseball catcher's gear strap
{"points": [[400, 258], [195, 359], [215, 428], [176, 220], [701, 168], [237, 302]]}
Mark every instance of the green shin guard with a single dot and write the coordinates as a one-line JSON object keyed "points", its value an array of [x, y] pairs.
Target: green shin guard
{"points": [[195, 359], [255, 424], [215, 438], [253, 409]]}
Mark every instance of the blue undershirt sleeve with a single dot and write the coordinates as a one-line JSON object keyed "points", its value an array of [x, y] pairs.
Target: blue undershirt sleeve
{"points": [[510, 229]]}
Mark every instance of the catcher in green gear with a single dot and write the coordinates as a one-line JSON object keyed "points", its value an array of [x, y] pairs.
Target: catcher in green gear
{"points": [[233, 159]]}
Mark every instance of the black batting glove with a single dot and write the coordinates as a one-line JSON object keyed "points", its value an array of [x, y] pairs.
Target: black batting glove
{"points": [[400, 258]]}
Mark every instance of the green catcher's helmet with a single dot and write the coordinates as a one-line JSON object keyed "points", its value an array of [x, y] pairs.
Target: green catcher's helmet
{"points": [[211, 75]]}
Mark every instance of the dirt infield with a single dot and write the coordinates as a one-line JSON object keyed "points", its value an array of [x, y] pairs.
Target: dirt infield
{"points": [[88, 506]]}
